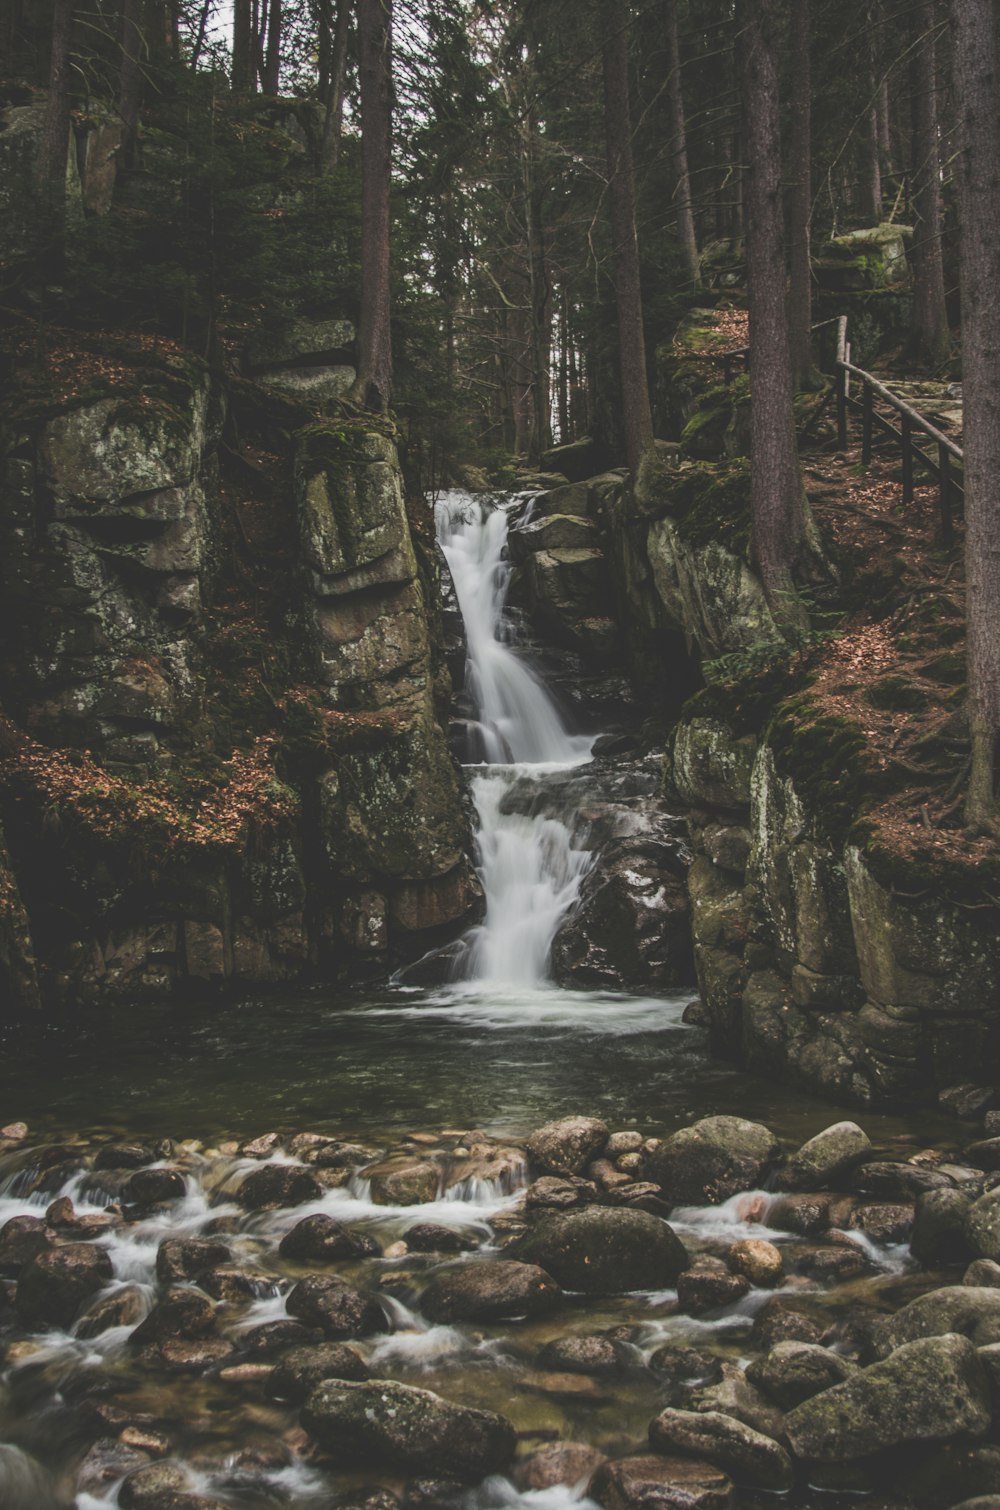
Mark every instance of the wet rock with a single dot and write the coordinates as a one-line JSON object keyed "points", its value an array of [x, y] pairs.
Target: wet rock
{"points": [[784, 1319], [760, 1261], [566, 1147], [897, 1182], [970, 1311], [604, 1250], [299, 1371], [594, 1354], [105, 1463], [968, 1101], [832, 1262], [123, 1156], [180, 1258], [801, 1214], [413, 1428], [150, 1488], [404, 1182], [261, 1147], [569, 1463], [431, 1237], [983, 1272], [55, 1283], [185, 1355], [685, 1365], [321, 1238], [560, 1194], [734, 1395], [929, 1390], [22, 1238], [181, 1313], [272, 1338], [747, 1455], [985, 1154], [652, 1482], [606, 1177], [435, 1494], [709, 1285], [491, 1291], [125, 1307], [273, 1186], [154, 1187], [342, 1311], [712, 1160], [234, 1282], [939, 1235], [826, 1158], [795, 1371], [641, 1195], [982, 1225], [375, 1498], [937, 1479]]}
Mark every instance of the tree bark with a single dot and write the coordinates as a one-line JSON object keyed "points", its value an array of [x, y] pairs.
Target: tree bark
{"points": [[242, 47], [800, 199], [373, 386], [977, 173], [778, 533], [871, 188], [55, 137], [333, 46], [686, 234], [930, 337], [271, 74], [636, 414], [130, 78]]}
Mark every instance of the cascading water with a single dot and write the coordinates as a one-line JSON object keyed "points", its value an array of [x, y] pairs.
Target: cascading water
{"points": [[531, 866]]}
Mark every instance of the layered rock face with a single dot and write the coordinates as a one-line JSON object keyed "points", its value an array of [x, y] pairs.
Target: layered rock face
{"points": [[222, 755]]}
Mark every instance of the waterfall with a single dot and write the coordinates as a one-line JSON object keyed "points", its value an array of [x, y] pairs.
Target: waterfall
{"points": [[531, 866]]}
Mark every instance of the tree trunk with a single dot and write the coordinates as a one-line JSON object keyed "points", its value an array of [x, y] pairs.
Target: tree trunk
{"points": [[871, 185], [199, 41], [776, 506], [55, 138], [930, 337], [885, 126], [130, 78], [977, 172], [800, 200], [540, 321], [332, 91], [271, 74], [678, 151], [636, 415], [242, 47], [373, 386]]}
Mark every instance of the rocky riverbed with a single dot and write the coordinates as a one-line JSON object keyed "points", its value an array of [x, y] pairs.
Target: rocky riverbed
{"points": [[588, 1314]]}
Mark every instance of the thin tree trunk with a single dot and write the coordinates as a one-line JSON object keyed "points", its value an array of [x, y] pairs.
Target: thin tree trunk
{"points": [[540, 326], [885, 126], [271, 73], [800, 199], [678, 151], [130, 78], [777, 516], [242, 47], [199, 41], [333, 94], [977, 172], [373, 386], [871, 187], [636, 414], [930, 337], [55, 137]]}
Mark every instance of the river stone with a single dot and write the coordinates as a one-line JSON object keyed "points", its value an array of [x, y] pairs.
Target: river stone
{"points": [[884, 1222], [939, 1230], [734, 1395], [786, 1318], [321, 1239], [153, 1487], [594, 1354], [181, 1258], [566, 1147], [54, 1284], [801, 1214], [795, 1371], [560, 1194], [750, 1457], [22, 1238], [235, 1282], [403, 1182], [496, 1290], [651, 1482], [430, 1237], [105, 1463], [927, 1391], [189, 1355], [890, 1180], [709, 1284], [326, 1301], [299, 1371], [276, 1337], [982, 1225], [181, 1313], [604, 1250], [825, 1158], [569, 1463], [982, 1273], [123, 1156], [154, 1187], [388, 1422], [125, 1307], [712, 1160], [272, 1186], [758, 1259], [972, 1311]]}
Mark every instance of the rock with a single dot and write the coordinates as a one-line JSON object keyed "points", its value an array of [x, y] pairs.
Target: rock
{"points": [[972, 1312], [261, 1147], [413, 1428], [711, 766], [623, 1142], [124, 1307], [154, 1187], [712, 1160], [490, 1291], [595, 1354], [929, 1390], [968, 1101], [235, 1282], [569, 1463], [603, 1250], [832, 1262], [795, 1371], [181, 1258], [824, 1159], [892, 1181], [55, 1283], [187, 1355], [734, 1395], [154, 1487], [760, 1261], [708, 1285], [404, 1182], [106, 1462], [22, 1238], [435, 1494], [431, 1237], [123, 1156], [272, 1186], [982, 1225], [566, 1147], [560, 1194], [685, 1365], [785, 1319], [181, 1313], [300, 1370], [801, 1214], [275, 1337], [319, 386], [883, 1222], [985, 1154], [331, 1303], [299, 341], [658, 1483], [983, 1273], [939, 1235], [319, 1238], [747, 1455]]}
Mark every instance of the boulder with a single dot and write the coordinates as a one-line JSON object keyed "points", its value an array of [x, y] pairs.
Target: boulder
{"points": [[341, 1311], [760, 1261], [404, 1182], [712, 1160], [431, 1237], [966, 1309], [319, 1238], [273, 1338], [651, 1482], [786, 1318], [566, 1147], [750, 1457], [795, 1371], [124, 1307], [298, 341], [604, 1250], [594, 1354], [55, 1283], [181, 1258], [492, 1291], [154, 1187], [382, 1421], [821, 1161], [708, 1285], [982, 1225], [939, 1228], [926, 1391], [21, 1239], [272, 1186], [560, 1463], [182, 1312], [734, 1395], [301, 1370]]}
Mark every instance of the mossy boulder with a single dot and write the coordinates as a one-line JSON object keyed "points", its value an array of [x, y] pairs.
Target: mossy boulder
{"points": [[713, 1159], [711, 765], [349, 491], [604, 1251]]}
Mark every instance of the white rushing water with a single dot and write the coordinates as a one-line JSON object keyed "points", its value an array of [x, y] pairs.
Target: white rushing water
{"points": [[531, 865]]}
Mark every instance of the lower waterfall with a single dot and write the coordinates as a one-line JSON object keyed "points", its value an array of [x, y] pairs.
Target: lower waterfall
{"points": [[531, 865]]}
